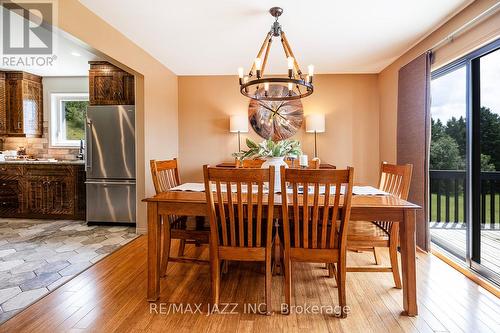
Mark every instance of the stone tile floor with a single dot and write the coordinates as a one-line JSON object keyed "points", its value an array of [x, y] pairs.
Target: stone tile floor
{"points": [[37, 256]]}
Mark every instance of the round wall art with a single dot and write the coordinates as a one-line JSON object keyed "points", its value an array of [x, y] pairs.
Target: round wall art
{"points": [[276, 120]]}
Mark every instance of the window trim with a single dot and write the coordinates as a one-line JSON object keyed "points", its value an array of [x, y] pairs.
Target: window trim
{"points": [[57, 122]]}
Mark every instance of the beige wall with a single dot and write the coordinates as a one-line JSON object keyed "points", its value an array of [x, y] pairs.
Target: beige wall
{"points": [[350, 103], [189, 116], [156, 90], [388, 78]]}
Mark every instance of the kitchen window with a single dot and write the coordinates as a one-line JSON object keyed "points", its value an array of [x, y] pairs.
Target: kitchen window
{"points": [[68, 112]]}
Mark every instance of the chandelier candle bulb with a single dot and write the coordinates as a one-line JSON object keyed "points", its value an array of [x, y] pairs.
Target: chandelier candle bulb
{"points": [[310, 70], [258, 66], [240, 74], [266, 87], [258, 63], [245, 80], [290, 61]]}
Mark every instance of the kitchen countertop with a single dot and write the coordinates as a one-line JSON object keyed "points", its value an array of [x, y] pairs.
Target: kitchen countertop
{"points": [[62, 162]]}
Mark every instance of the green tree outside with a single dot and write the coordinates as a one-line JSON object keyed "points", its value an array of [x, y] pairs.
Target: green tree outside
{"points": [[75, 113], [448, 143]]}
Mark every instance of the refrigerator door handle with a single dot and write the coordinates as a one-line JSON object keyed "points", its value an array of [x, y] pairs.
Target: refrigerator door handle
{"points": [[88, 151], [105, 183]]}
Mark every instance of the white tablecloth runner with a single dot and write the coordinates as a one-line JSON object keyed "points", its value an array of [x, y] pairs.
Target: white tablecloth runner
{"points": [[356, 190]]}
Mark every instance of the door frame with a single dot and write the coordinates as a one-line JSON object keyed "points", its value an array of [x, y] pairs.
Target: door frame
{"points": [[472, 189]]}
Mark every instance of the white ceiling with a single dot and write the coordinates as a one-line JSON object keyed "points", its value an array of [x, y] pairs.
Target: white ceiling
{"points": [[200, 37], [71, 58]]}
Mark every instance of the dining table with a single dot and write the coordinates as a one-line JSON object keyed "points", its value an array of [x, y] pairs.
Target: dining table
{"points": [[363, 208]]}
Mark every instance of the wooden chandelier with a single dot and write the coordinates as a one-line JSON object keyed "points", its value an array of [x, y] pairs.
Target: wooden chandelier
{"points": [[295, 85]]}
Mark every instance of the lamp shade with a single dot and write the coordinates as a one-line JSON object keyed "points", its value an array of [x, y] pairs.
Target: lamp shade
{"points": [[238, 123], [315, 123]]}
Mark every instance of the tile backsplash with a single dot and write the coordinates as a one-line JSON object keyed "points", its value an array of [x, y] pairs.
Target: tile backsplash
{"points": [[39, 147]]}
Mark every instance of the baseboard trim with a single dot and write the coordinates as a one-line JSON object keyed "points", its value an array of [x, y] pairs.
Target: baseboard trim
{"points": [[470, 274]]}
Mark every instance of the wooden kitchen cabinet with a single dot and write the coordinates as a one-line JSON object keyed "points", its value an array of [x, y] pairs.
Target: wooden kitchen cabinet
{"points": [[21, 112], [109, 85], [11, 188], [50, 190], [43, 191], [80, 193]]}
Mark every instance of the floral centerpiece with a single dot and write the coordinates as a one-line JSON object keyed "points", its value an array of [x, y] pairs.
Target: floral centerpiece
{"points": [[274, 154], [270, 149]]}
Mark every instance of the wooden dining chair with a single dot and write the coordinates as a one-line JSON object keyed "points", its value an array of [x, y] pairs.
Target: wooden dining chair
{"points": [[241, 222], [165, 176], [314, 227], [278, 246], [371, 235]]}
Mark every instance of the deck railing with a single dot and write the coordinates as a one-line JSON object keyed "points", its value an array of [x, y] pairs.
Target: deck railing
{"points": [[448, 205]]}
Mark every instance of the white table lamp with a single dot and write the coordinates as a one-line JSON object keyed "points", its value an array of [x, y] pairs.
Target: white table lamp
{"points": [[315, 123], [238, 124]]}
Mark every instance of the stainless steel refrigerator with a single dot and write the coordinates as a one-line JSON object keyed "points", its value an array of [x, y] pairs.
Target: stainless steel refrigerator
{"points": [[110, 164]]}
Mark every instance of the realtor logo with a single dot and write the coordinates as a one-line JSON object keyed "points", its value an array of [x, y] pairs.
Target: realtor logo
{"points": [[27, 28]]}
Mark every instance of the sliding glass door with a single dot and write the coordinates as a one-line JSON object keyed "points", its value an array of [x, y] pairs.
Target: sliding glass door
{"points": [[486, 150], [447, 164], [464, 174]]}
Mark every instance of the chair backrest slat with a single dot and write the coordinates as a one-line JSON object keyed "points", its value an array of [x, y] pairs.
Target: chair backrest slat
{"points": [[250, 215], [315, 213], [239, 204], [326, 212], [222, 211], [305, 215], [296, 212], [258, 220], [244, 225], [230, 208], [396, 179], [314, 234], [335, 217], [165, 174]]}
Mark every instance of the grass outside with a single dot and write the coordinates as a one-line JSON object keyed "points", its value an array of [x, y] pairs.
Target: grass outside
{"points": [[461, 208], [73, 132]]}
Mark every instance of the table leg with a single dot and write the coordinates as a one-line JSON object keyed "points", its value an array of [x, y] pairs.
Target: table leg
{"points": [[153, 252], [408, 262]]}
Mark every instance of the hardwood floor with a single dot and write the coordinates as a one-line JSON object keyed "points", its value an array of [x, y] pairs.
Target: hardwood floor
{"points": [[111, 296]]}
